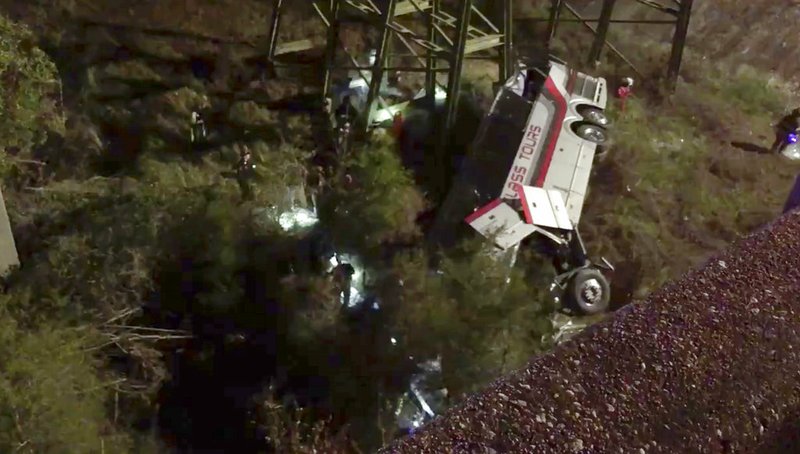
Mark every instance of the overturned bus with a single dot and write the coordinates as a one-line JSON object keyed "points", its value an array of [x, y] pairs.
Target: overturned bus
{"points": [[527, 175]]}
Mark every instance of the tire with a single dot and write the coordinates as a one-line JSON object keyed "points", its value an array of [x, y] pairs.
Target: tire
{"points": [[594, 115], [592, 133], [585, 281]]}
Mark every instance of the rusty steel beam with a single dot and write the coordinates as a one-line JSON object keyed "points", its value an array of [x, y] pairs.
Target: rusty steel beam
{"points": [[602, 31], [330, 50], [457, 63], [507, 56], [273, 29], [679, 42], [378, 68], [555, 18], [681, 11]]}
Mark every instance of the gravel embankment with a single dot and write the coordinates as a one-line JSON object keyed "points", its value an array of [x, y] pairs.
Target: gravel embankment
{"points": [[709, 363]]}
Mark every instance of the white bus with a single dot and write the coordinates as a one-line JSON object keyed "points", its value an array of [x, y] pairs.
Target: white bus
{"points": [[528, 173]]}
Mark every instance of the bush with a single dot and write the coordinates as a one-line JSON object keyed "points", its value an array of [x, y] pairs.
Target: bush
{"points": [[250, 114], [483, 319], [51, 398], [293, 432], [29, 95], [131, 71], [167, 116], [381, 205]]}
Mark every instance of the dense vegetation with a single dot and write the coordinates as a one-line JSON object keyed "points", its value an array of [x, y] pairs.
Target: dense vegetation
{"points": [[155, 307]]}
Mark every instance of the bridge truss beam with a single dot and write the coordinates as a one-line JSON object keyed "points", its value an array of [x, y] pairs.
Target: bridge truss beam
{"points": [[433, 37], [679, 11]]}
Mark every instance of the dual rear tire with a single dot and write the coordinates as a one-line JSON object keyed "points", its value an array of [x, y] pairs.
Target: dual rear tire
{"points": [[594, 124], [588, 292]]}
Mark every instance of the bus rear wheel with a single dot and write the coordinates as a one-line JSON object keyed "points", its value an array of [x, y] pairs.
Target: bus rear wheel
{"points": [[588, 292]]}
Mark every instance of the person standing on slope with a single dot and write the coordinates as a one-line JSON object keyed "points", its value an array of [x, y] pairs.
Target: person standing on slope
{"points": [[624, 91], [788, 124]]}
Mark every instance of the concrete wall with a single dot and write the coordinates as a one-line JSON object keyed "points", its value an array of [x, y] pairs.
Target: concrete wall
{"points": [[8, 248]]}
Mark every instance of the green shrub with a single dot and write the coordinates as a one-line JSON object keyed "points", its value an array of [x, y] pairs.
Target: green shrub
{"points": [[51, 398], [167, 117], [295, 431], [29, 93], [131, 71], [483, 319], [379, 208], [250, 114]]}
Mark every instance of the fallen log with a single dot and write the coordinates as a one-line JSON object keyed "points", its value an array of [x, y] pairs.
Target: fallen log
{"points": [[708, 363]]}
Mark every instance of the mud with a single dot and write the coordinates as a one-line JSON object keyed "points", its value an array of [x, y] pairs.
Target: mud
{"points": [[708, 363]]}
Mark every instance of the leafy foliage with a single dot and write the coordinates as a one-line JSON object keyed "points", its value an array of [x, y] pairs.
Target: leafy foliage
{"points": [[30, 92], [248, 113], [379, 207], [173, 111], [481, 318], [51, 399], [292, 431]]}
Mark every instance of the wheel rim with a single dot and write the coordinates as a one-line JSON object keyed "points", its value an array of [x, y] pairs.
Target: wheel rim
{"points": [[591, 292], [597, 117], [593, 134]]}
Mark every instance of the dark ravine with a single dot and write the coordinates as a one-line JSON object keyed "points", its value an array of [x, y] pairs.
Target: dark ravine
{"points": [[708, 363]]}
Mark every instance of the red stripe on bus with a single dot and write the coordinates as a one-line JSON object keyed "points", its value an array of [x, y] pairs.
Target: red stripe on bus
{"points": [[482, 210], [525, 208], [555, 130]]}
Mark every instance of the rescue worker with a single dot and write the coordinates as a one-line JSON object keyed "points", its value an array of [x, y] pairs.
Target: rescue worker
{"points": [[325, 129], [343, 277], [198, 127], [624, 91], [788, 124], [397, 125], [342, 139], [245, 170], [327, 108], [345, 113], [316, 184]]}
